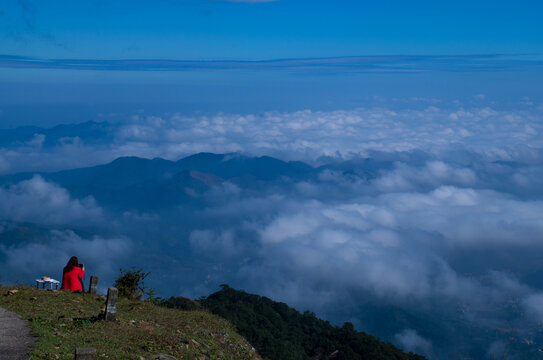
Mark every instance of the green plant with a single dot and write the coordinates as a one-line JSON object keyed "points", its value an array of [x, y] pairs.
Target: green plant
{"points": [[131, 284], [64, 320]]}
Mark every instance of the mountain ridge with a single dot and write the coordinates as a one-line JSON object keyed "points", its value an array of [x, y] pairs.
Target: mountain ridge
{"points": [[280, 332]]}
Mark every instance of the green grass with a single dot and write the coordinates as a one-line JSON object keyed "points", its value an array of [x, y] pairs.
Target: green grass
{"points": [[64, 320]]}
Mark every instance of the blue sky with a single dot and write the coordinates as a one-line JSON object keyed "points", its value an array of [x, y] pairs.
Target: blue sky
{"points": [[71, 61], [199, 29]]}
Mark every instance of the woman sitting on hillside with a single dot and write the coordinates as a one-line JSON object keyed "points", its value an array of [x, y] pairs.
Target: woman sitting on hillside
{"points": [[72, 277]]}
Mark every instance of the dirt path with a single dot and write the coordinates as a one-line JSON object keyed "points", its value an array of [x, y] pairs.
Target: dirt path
{"points": [[15, 337]]}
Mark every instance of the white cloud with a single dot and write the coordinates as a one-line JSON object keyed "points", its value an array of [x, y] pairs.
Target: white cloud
{"points": [[437, 235], [410, 340], [37, 141], [4, 165], [42, 202], [534, 307], [441, 214], [222, 244], [468, 217], [300, 135], [433, 173], [363, 247]]}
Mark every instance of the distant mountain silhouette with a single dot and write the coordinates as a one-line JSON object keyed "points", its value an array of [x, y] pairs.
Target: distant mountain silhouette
{"points": [[133, 182], [147, 184], [234, 165]]}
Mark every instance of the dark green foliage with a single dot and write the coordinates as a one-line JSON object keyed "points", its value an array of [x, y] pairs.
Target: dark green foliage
{"points": [[280, 332], [131, 284]]}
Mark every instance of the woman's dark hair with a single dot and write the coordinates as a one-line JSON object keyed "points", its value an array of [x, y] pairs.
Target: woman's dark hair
{"points": [[73, 262]]}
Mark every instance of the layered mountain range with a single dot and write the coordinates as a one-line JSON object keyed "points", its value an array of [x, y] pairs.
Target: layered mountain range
{"points": [[369, 241]]}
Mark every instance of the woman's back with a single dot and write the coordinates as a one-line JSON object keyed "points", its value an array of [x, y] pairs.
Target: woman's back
{"points": [[71, 279]]}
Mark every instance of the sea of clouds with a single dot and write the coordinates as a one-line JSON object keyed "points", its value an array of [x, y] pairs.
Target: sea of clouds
{"points": [[301, 135], [447, 221]]}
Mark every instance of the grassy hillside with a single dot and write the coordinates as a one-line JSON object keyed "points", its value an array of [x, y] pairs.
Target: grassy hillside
{"points": [[65, 320], [280, 332]]}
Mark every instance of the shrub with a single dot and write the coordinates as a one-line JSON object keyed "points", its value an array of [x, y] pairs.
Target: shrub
{"points": [[131, 284]]}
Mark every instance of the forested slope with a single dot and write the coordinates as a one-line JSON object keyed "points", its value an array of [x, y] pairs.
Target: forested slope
{"points": [[278, 331]]}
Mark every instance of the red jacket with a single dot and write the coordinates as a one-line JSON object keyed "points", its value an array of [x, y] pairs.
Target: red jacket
{"points": [[71, 280]]}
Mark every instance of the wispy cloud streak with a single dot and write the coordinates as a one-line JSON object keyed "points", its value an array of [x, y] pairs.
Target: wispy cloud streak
{"points": [[345, 64]]}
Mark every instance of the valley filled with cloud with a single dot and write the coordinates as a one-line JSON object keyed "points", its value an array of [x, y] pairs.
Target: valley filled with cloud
{"points": [[421, 225], [378, 163]]}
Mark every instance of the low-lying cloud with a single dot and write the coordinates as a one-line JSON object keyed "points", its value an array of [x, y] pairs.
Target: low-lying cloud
{"points": [[415, 221], [444, 236], [46, 203], [392, 244], [301, 135], [411, 341]]}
